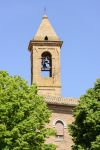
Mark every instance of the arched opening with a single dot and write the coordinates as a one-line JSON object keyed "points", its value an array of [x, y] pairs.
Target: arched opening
{"points": [[46, 64], [46, 38], [59, 126]]}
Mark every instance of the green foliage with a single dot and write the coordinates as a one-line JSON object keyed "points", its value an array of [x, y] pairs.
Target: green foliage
{"points": [[49, 147], [85, 130], [23, 115]]}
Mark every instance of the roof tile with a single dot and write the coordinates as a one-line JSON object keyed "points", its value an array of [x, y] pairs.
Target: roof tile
{"points": [[61, 100]]}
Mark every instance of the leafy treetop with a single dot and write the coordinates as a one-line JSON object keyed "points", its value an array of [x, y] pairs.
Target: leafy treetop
{"points": [[23, 116], [85, 130]]}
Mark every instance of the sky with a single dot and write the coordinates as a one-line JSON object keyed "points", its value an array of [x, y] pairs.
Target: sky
{"points": [[77, 22]]}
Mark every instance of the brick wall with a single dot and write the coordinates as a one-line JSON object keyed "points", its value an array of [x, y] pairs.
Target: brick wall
{"points": [[63, 113]]}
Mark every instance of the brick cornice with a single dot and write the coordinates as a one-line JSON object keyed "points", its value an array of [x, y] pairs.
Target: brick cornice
{"points": [[44, 43]]}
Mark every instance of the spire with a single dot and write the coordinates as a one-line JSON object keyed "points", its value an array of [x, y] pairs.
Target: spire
{"points": [[45, 30]]}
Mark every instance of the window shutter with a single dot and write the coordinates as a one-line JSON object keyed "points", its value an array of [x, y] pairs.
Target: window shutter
{"points": [[59, 128]]}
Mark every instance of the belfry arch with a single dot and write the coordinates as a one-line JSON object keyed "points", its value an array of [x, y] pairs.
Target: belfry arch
{"points": [[46, 63]]}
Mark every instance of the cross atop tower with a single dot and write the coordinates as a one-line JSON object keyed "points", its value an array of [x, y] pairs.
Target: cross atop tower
{"points": [[45, 10]]}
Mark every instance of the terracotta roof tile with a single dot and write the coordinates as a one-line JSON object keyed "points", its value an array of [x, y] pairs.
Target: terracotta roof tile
{"points": [[61, 100]]}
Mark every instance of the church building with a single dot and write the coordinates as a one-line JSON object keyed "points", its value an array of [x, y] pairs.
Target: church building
{"points": [[45, 72]]}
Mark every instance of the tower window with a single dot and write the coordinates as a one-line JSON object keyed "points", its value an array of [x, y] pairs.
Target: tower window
{"points": [[46, 38], [46, 64], [59, 126]]}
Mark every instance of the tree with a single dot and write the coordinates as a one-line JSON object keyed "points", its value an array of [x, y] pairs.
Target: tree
{"points": [[23, 116], [85, 130]]}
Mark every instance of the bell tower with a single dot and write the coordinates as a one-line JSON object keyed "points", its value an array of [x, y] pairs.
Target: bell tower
{"points": [[45, 59]]}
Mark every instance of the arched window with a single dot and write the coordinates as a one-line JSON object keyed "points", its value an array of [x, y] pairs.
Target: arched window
{"points": [[46, 64], [59, 126], [46, 38]]}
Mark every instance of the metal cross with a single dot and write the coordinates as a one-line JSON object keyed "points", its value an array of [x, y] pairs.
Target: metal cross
{"points": [[45, 10]]}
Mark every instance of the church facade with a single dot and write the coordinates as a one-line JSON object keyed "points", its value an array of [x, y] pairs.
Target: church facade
{"points": [[45, 72]]}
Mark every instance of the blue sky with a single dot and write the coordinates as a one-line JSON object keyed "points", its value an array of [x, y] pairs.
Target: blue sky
{"points": [[77, 22]]}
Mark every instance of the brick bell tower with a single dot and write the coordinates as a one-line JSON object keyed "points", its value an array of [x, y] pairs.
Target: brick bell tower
{"points": [[45, 59], [45, 72]]}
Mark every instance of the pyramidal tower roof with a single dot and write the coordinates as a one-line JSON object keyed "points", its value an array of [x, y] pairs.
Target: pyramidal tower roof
{"points": [[46, 31]]}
